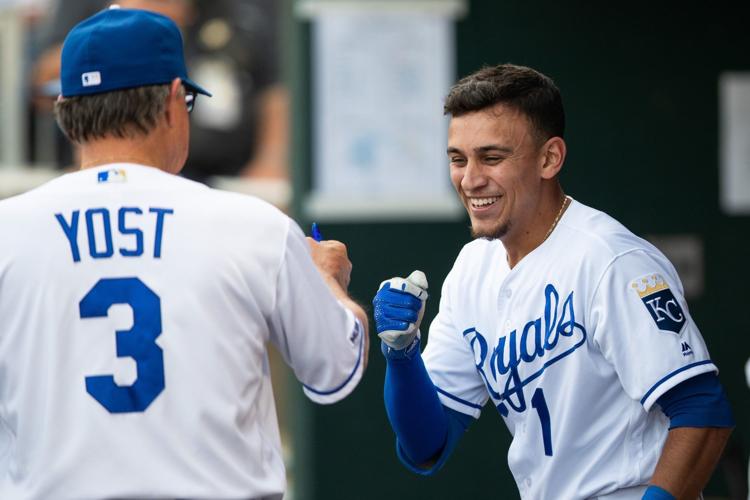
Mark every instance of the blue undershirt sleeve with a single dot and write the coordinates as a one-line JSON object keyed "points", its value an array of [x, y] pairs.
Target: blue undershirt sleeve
{"points": [[426, 431], [656, 493], [697, 402], [457, 424]]}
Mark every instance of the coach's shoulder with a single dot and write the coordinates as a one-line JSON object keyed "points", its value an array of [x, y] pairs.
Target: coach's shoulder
{"points": [[243, 213], [15, 205], [244, 203]]}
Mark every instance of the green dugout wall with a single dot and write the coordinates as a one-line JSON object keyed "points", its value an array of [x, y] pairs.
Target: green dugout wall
{"points": [[640, 85]]}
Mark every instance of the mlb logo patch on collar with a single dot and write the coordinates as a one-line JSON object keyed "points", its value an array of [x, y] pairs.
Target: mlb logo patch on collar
{"points": [[660, 302], [112, 175]]}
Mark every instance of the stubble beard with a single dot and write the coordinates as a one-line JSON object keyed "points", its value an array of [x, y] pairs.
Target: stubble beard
{"points": [[494, 233]]}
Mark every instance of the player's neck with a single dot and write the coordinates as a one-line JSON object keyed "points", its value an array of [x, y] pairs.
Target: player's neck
{"points": [[540, 226], [140, 150]]}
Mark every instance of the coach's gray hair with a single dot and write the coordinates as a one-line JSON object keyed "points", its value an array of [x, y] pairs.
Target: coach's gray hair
{"points": [[120, 113]]}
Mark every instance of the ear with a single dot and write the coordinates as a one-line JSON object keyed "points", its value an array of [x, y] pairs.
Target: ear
{"points": [[553, 157], [175, 99]]}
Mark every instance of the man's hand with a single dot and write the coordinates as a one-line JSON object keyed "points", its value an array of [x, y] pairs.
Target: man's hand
{"points": [[398, 309], [332, 261]]}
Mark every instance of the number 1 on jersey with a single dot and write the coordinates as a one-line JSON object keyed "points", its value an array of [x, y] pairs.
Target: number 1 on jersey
{"points": [[538, 402]]}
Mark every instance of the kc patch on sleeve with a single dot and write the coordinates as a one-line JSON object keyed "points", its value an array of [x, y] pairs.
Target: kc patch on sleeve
{"points": [[660, 302]]}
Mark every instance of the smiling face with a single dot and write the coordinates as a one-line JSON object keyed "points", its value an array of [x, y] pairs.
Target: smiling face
{"points": [[497, 167]]}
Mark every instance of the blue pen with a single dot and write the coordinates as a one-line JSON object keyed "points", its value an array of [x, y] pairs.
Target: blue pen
{"points": [[316, 232]]}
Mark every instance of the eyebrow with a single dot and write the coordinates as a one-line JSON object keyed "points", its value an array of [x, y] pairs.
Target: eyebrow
{"points": [[484, 149]]}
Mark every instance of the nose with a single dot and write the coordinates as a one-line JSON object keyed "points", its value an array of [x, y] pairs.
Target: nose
{"points": [[474, 177]]}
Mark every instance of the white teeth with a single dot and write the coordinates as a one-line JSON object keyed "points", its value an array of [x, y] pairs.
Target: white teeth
{"points": [[483, 202]]}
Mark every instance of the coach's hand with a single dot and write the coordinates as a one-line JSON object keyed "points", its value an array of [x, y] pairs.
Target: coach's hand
{"points": [[398, 309], [332, 261]]}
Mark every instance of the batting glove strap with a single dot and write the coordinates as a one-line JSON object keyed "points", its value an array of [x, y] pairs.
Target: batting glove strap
{"points": [[406, 354], [655, 493]]}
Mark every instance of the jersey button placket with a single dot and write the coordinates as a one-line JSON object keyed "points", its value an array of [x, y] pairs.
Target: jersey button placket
{"points": [[503, 297]]}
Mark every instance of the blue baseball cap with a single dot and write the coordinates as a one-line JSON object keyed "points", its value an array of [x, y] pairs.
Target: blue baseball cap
{"points": [[122, 48]]}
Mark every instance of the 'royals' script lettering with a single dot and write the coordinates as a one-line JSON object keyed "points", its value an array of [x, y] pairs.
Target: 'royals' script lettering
{"points": [[542, 342]]}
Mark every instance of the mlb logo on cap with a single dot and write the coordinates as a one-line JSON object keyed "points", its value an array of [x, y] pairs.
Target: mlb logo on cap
{"points": [[120, 49], [91, 78]]}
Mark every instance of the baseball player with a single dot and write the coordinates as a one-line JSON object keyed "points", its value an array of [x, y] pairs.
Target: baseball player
{"points": [[574, 330], [135, 305]]}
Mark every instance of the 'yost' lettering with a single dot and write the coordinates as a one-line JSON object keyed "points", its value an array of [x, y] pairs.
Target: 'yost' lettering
{"points": [[114, 232]]}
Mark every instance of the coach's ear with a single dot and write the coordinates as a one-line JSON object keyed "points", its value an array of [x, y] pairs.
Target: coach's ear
{"points": [[175, 102], [552, 157]]}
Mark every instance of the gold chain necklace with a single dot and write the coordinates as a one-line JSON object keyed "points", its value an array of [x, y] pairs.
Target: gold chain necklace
{"points": [[557, 218]]}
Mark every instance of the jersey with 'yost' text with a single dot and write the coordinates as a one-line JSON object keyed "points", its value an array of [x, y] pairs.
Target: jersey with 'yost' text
{"points": [[135, 309]]}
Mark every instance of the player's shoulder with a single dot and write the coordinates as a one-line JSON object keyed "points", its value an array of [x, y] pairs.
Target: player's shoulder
{"points": [[597, 234], [605, 247]]}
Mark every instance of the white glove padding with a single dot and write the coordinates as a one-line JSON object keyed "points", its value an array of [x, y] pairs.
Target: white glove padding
{"points": [[397, 313]]}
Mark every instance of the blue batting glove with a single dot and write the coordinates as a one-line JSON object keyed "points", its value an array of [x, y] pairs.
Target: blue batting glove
{"points": [[398, 309]]}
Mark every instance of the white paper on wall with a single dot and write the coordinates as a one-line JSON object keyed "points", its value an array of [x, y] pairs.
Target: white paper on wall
{"points": [[734, 142], [380, 78]]}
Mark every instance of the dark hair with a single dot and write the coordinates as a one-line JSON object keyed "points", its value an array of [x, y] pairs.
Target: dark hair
{"points": [[120, 113], [518, 87]]}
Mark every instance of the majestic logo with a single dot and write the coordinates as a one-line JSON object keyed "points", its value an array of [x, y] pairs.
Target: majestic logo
{"points": [[660, 302], [543, 341], [354, 335], [112, 175], [686, 349]]}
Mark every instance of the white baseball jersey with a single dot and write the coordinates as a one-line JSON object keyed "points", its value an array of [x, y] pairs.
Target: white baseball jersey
{"points": [[134, 311], [572, 347]]}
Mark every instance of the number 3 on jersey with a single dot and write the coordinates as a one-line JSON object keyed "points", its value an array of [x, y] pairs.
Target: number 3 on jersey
{"points": [[138, 343]]}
